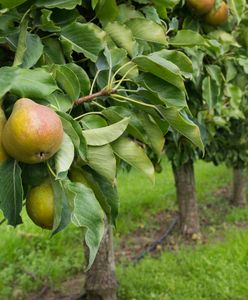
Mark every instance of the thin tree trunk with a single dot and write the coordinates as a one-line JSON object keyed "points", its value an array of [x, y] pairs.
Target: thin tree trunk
{"points": [[100, 282], [186, 197], [239, 187]]}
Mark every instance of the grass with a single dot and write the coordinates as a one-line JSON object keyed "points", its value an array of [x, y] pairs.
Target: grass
{"points": [[29, 258], [218, 270]]}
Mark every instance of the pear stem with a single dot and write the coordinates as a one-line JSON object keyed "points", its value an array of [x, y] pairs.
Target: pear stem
{"points": [[88, 98]]}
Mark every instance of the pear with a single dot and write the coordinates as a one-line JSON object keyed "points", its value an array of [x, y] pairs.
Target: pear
{"points": [[218, 16], [200, 7], [40, 205], [3, 154], [33, 133]]}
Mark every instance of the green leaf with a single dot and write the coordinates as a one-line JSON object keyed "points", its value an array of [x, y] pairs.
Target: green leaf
{"points": [[235, 94], [83, 78], [93, 121], [11, 194], [134, 128], [94, 3], [105, 135], [102, 160], [237, 8], [123, 37], [105, 192], [85, 38], [162, 68], [134, 155], [183, 125], [36, 83], [60, 101], [33, 52], [64, 210], [87, 213], [187, 38], [53, 52], [66, 4], [106, 11], [147, 30], [210, 92], [74, 130], [7, 75], [64, 157], [166, 92], [154, 133], [47, 24], [214, 72], [68, 81], [179, 59], [11, 3]]}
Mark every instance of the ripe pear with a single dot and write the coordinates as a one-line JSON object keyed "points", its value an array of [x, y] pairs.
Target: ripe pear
{"points": [[3, 154], [40, 205], [218, 16], [200, 7], [33, 133]]}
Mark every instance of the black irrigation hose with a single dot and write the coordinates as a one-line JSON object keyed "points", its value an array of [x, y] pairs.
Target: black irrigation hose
{"points": [[154, 245], [1, 222]]}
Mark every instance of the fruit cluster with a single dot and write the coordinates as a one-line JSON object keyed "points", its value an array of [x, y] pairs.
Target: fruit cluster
{"points": [[212, 14], [32, 134]]}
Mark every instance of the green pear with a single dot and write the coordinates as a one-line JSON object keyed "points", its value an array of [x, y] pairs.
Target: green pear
{"points": [[33, 133], [40, 205]]}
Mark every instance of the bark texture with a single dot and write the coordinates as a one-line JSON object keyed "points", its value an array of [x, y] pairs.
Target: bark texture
{"points": [[100, 281], [186, 197], [239, 187]]}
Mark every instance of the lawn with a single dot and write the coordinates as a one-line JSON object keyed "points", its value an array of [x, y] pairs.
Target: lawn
{"points": [[215, 269]]}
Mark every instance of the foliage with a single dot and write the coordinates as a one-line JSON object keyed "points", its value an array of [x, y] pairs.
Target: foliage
{"points": [[115, 74], [217, 92]]}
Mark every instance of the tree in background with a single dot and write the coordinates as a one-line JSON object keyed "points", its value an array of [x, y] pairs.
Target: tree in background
{"points": [[229, 142], [214, 99]]}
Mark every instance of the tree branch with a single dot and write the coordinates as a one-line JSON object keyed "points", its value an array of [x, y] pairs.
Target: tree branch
{"points": [[88, 98]]}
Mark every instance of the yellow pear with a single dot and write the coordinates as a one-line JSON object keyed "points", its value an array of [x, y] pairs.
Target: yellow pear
{"points": [[33, 133], [40, 205], [3, 154]]}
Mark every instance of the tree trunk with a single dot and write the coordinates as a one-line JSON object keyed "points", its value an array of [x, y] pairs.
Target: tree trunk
{"points": [[100, 281], [239, 187], [186, 197]]}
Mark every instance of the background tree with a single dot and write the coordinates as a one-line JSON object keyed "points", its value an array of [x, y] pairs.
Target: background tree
{"points": [[229, 141], [214, 99]]}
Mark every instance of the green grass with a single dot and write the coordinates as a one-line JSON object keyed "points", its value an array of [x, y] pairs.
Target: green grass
{"points": [[29, 258], [218, 270]]}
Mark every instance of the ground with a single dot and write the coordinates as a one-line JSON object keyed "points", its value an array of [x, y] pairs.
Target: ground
{"points": [[146, 213]]}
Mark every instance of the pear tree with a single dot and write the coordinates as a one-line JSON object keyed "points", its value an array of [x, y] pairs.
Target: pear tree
{"points": [[114, 76], [215, 95]]}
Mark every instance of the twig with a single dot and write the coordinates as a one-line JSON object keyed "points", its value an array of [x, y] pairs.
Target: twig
{"points": [[88, 98], [154, 245]]}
